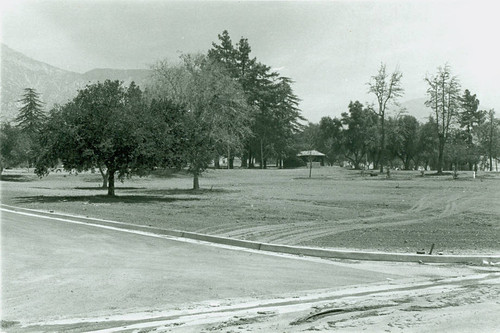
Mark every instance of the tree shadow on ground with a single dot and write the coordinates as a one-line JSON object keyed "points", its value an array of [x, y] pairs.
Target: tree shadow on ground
{"points": [[100, 199], [105, 188], [178, 191], [16, 178]]}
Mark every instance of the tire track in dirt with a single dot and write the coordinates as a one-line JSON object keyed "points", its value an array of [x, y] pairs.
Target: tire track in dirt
{"points": [[421, 207], [424, 209]]}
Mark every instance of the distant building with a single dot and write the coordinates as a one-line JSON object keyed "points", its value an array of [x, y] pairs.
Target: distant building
{"points": [[317, 158]]}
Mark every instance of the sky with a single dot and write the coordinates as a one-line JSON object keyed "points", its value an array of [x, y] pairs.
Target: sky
{"points": [[330, 49]]}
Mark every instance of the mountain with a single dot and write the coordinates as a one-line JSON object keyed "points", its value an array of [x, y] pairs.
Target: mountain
{"points": [[54, 85], [416, 107]]}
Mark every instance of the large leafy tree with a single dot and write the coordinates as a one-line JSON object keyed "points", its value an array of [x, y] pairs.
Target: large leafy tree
{"points": [[215, 107], [14, 146], [387, 88], [106, 125], [329, 139], [403, 139], [443, 93], [457, 150], [427, 144], [359, 134]]}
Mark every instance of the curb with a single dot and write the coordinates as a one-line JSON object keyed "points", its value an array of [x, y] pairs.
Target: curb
{"points": [[288, 249]]}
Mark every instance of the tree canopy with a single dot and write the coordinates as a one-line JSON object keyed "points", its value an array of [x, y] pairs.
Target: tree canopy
{"points": [[215, 108], [106, 124]]}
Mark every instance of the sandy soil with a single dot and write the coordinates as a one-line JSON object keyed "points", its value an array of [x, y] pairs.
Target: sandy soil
{"points": [[450, 305]]}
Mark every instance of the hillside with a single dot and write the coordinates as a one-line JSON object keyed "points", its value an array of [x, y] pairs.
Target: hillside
{"points": [[55, 85]]}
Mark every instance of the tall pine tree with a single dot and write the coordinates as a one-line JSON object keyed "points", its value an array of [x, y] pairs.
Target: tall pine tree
{"points": [[31, 115], [275, 107]]}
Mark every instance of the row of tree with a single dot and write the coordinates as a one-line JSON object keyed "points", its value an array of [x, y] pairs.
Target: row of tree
{"points": [[226, 103], [191, 112], [457, 134]]}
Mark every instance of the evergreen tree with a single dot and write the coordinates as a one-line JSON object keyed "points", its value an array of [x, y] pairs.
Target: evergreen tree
{"points": [[29, 122], [31, 115], [469, 119], [275, 115]]}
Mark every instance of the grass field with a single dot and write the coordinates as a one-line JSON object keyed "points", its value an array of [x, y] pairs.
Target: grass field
{"points": [[336, 208]]}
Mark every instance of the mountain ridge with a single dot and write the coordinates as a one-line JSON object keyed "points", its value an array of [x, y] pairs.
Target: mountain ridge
{"points": [[55, 85]]}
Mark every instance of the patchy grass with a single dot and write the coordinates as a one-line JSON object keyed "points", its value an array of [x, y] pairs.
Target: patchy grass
{"points": [[336, 208]]}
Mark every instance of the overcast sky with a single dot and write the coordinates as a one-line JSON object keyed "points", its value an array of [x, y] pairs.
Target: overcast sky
{"points": [[329, 48]]}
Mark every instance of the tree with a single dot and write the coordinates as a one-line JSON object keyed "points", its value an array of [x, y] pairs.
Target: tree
{"points": [[107, 125], [360, 133], [444, 99], [275, 115], [216, 111], [31, 115], [387, 88], [329, 139], [469, 119], [403, 139], [30, 121], [14, 146], [490, 139], [456, 150], [427, 143]]}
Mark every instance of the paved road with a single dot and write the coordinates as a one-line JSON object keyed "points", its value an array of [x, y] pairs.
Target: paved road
{"points": [[53, 270]]}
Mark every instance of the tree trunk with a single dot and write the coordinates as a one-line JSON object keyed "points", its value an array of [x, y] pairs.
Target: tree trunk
{"points": [[250, 159], [440, 157], [382, 144], [111, 183], [244, 160], [261, 154], [216, 162], [104, 176], [310, 166], [196, 182]]}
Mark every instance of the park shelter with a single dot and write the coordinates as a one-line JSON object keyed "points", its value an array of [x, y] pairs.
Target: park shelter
{"points": [[312, 155]]}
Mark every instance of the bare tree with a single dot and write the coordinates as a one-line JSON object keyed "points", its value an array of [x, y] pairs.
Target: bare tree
{"points": [[387, 88], [444, 99]]}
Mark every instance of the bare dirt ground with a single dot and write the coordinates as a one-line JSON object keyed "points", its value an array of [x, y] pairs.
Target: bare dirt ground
{"points": [[337, 208]]}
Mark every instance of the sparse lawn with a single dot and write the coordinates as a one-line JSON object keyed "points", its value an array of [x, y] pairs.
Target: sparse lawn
{"points": [[337, 208]]}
